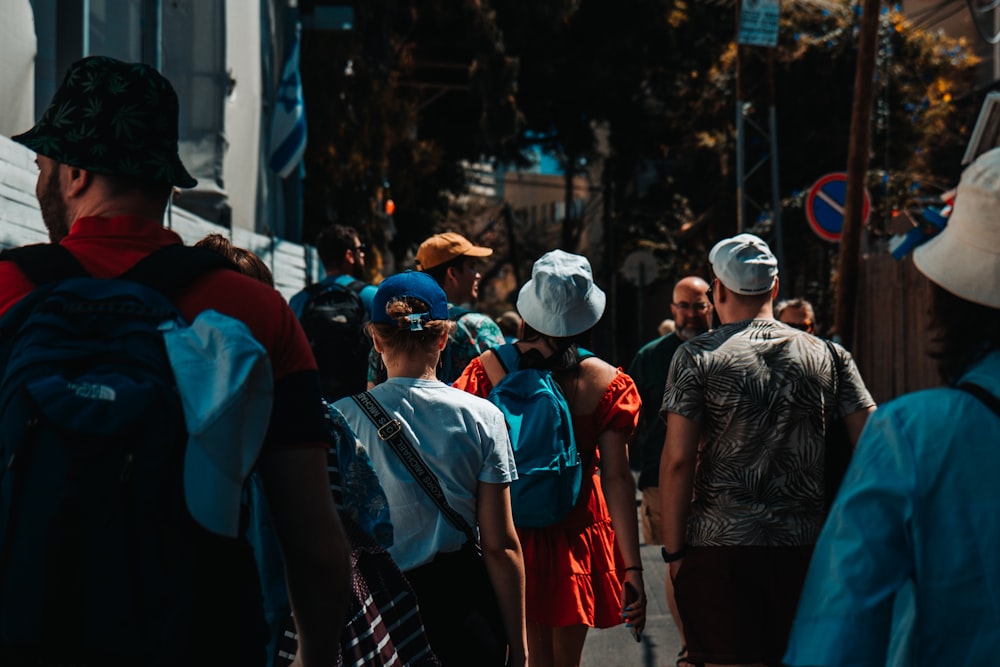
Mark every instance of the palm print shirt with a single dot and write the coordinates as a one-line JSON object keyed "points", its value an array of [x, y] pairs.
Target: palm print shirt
{"points": [[763, 394]]}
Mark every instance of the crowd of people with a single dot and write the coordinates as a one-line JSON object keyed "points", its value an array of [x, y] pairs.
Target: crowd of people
{"points": [[385, 409]]}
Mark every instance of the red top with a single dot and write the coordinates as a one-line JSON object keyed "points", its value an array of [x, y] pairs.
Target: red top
{"points": [[571, 568], [107, 247]]}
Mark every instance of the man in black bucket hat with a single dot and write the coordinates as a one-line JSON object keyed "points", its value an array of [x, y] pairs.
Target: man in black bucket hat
{"points": [[110, 118], [107, 156]]}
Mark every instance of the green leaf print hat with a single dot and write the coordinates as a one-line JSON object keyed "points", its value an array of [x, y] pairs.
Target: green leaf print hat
{"points": [[114, 118]]}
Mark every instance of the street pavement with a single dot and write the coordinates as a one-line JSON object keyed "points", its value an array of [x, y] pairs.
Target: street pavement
{"points": [[660, 641]]}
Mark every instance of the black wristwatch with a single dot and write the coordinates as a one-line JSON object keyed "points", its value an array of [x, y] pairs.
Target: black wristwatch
{"points": [[671, 557]]}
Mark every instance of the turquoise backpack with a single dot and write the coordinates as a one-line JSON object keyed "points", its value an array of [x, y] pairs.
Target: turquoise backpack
{"points": [[548, 462]]}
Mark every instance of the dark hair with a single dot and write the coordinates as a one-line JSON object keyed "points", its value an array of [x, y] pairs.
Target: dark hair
{"points": [[509, 323], [334, 241], [797, 302], [398, 337], [962, 332], [563, 359], [247, 262], [438, 272]]}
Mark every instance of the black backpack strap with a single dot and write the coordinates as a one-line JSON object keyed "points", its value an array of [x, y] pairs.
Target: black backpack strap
{"points": [[172, 268], [356, 286], [991, 401], [508, 356], [43, 263], [315, 289]]}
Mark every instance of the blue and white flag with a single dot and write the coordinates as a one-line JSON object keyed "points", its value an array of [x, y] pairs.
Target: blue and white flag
{"points": [[288, 126]]}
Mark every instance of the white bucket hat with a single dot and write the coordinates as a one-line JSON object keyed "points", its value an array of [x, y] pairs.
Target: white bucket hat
{"points": [[965, 258], [561, 298]]}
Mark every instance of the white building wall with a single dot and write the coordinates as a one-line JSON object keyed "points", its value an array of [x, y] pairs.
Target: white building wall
{"points": [[21, 223], [17, 76], [20, 219], [243, 111]]}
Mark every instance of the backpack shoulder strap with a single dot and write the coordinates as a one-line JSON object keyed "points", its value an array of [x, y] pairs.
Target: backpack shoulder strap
{"points": [[508, 356], [356, 286], [44, 263], [498, 364], [317, 288], [172, 268], [991, 401]]}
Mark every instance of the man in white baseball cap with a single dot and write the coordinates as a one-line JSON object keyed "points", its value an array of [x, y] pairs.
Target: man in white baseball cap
{"points": [[916, 518], [749, 403]]}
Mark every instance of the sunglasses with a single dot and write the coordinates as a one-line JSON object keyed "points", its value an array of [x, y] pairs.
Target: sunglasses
{"points": [[801, 326]]}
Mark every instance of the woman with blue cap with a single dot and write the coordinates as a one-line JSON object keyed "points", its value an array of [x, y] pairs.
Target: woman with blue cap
{"points": [[445, 462]]}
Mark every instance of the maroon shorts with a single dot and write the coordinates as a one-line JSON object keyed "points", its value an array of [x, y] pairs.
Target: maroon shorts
{"points": [[737, 604]]}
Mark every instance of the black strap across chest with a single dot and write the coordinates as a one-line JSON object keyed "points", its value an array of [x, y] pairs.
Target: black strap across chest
{"points": [[987, 398], [390, 431], [167, 270]]}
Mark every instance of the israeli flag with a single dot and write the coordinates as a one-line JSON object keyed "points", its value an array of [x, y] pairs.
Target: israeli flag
{"points": [[288, 126]]}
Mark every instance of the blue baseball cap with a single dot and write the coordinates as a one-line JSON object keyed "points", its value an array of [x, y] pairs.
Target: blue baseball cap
{"points": [[415, 285]]}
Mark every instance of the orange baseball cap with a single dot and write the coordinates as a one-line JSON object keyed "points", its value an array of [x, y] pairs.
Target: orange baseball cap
{"points": [[442, 248]]}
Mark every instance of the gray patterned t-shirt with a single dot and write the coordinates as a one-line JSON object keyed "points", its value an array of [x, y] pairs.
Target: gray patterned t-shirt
{"points": [[763, 393]]}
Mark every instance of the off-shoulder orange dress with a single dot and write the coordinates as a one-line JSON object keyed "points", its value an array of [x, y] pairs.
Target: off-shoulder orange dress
{"points": [[572, 567]]}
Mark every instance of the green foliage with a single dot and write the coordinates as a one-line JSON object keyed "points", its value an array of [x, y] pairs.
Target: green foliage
{"points": [[393, 106], [918, 132], [420, 86]]}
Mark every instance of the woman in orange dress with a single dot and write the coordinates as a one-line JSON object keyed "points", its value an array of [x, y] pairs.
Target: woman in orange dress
{"points": [[575, 569]]}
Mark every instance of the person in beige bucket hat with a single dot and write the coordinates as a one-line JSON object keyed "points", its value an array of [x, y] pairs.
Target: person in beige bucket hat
{"points": [[913, 529]]}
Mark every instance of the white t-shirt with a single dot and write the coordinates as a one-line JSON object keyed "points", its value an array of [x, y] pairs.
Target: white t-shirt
{"points": [[463, 439]]}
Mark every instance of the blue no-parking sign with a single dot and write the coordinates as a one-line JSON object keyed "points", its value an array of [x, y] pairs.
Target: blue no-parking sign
{"points": [[825, 206]]}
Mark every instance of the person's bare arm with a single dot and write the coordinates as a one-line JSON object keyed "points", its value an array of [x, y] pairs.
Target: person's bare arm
{"points": [[619, 493], [504, 562], [855, 423], [677, 466], [314, 545]]}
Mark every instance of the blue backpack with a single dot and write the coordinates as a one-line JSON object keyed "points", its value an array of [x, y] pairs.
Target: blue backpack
{"points": [[100, 559], [549, 470]]}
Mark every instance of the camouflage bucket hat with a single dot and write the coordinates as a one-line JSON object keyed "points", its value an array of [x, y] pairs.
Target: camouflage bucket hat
{"points": [[113, 118]]}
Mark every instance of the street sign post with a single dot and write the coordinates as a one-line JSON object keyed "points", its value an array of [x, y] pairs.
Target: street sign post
{"points": [[825, 206], [640, 268], [759, 23]]}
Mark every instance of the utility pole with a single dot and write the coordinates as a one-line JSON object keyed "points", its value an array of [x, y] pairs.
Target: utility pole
{"points": [[745, 121], [741, 207], [857, 169]]}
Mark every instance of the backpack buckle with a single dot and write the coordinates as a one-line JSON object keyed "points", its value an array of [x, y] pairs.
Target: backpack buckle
{"points": [[389, 429]]}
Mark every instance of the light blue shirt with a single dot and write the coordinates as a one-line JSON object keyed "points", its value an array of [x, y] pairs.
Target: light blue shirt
{"points": [[463, 439], [918, 512]]}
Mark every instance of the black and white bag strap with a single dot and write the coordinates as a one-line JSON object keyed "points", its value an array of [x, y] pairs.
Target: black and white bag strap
{"points": [[391, 431], [987, 397]]}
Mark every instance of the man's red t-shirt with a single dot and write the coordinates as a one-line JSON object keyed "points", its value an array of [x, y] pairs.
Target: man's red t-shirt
{"points": [[107, 247]]}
